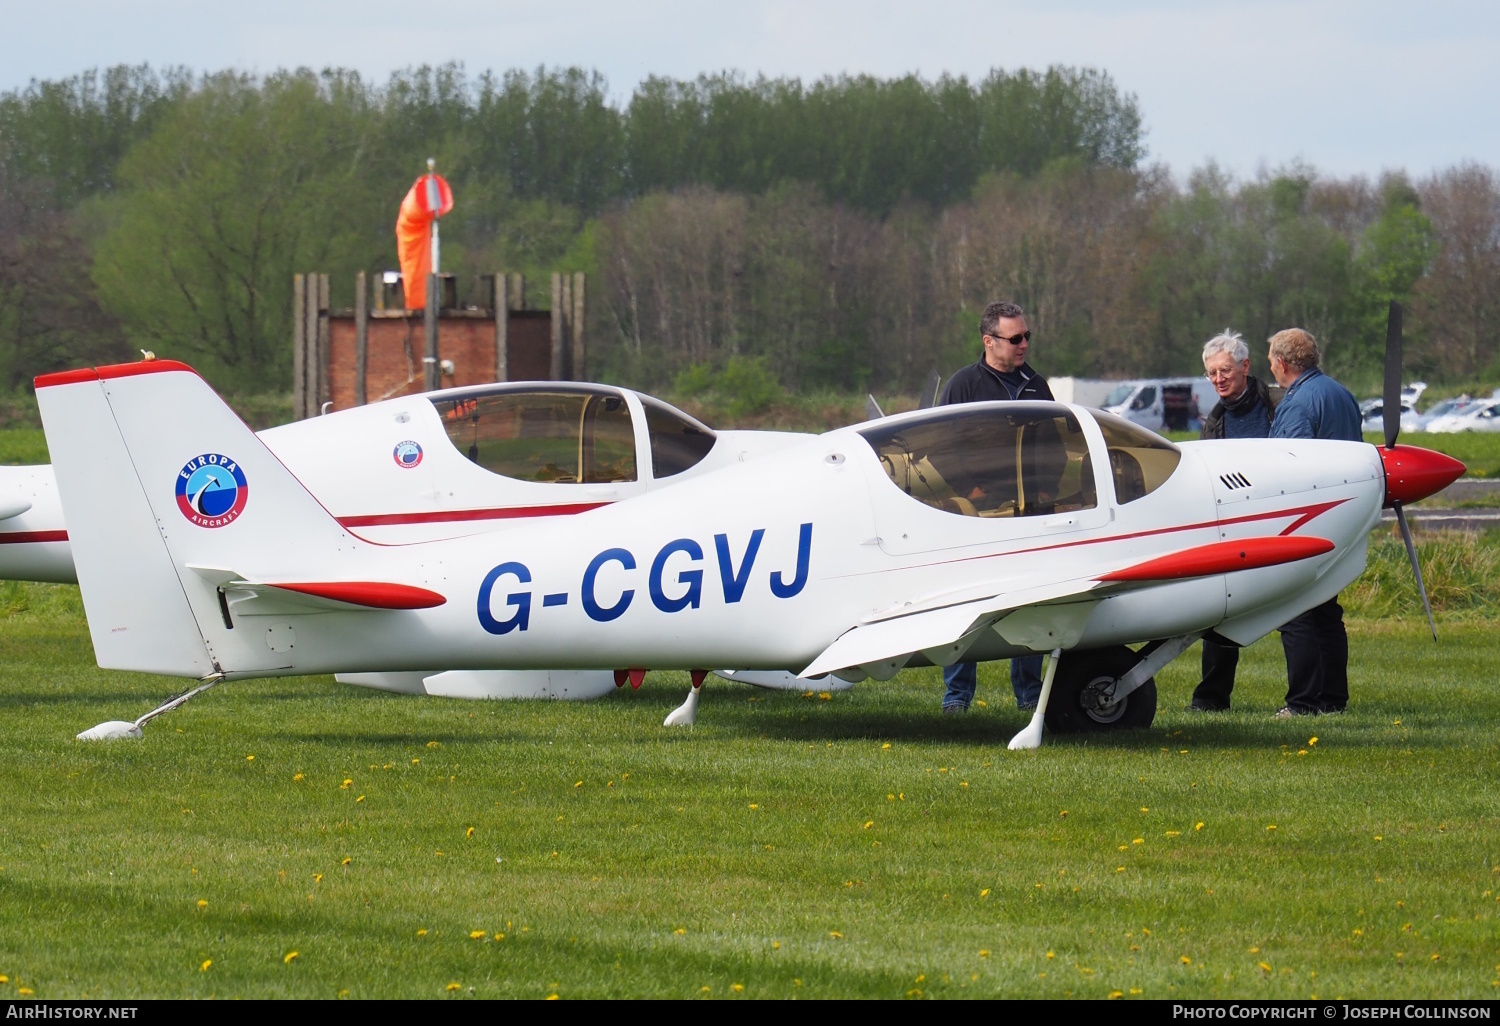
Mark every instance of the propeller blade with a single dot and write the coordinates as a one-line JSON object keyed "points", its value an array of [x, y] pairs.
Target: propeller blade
{"points": [[1391, 401], [930, 390], [1411, 551], [872, 408]]}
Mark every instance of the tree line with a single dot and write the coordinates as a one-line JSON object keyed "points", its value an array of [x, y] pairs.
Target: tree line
{"points": [[840, 234]]}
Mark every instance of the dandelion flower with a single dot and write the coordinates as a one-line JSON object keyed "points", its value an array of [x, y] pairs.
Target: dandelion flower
{"points": [[553, 997], [1255, 951], [985, 893], [680, 931], [984, 952], [1185, 960], [1145, 808], [291, 956], [1270, 826], [317, 878], [738, 988], [476, 934], [1139, 840], [1174, 833], [415, 761], [1116, 994], [753, 805], [249, 758], [206, 963], [1198, 826], [297, 777], [982, 704], [202, 903], [1063, 814], [4, 979], [890, 797], [869, 824], [835, 935], [824, 696], [1265, 967], [345, 785], [1119, 869], [1312, 740], [422, 932], [776, 945], [454, 986], [25, 991], [704, 990], [1051, 954], [1135, 990], [469, 832], [434, 744], [885, 747], [578, 784], [1379, 838], [499, 936], [359, 799], [346, 862]]}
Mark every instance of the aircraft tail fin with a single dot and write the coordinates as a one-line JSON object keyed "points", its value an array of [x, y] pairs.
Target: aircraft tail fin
{"points": [[159, 479]]}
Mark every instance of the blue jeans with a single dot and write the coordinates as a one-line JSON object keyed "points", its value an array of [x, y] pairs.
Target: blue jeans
{"points": [[963, 678]]}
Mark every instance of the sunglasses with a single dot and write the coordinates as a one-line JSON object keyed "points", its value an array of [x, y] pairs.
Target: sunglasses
{"points": [[1014, 340]]}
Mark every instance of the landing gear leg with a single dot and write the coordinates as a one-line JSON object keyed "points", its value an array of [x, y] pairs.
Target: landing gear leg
{"points": [[686, 714], [115, 729], [1031, 737]]}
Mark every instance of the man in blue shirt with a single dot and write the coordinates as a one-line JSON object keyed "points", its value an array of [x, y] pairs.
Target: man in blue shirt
{"points": [[1002, 373], [1315, 406]]}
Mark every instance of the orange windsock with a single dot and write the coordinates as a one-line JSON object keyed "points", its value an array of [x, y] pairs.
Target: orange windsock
{"points": [[428, 199]]}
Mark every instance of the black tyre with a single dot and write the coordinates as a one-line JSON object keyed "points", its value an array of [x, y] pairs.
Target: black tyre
{"points": [[1082, 702]]}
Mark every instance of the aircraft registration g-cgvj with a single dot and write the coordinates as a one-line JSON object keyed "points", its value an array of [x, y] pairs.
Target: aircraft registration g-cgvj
{"points": [[967, 532], [442, 465]]}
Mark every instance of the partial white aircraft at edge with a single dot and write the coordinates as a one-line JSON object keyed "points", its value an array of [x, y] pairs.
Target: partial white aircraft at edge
{"points": [[980, 531]]}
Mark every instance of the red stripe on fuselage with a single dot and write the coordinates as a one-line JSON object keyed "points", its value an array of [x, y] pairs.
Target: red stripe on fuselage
{"points": [[466, 515], [32, 537]]}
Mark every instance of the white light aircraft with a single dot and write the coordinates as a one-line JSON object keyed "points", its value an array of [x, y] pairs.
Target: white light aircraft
{"points": [[442, 465], [979, 531]]}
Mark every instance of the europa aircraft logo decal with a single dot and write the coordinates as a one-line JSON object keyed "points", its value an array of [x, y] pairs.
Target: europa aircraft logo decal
{"points": [[407, 454], [211, 490]]}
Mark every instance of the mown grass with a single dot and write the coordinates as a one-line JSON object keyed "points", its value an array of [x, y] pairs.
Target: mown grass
{"points": [[862, 845], [23, 447]]}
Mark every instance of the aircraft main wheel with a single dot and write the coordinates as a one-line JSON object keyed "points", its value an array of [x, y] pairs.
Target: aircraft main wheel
{"points": [[1082, 693]]}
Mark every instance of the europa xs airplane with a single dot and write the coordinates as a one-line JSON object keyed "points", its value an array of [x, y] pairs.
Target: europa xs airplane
{"points": [[443, 465], [980, 531]]}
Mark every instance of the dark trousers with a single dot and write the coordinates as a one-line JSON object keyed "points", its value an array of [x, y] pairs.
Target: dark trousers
{"points": [[1317, 659], [1219, 662]]}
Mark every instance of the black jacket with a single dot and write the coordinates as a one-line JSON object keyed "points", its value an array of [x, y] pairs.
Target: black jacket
{"points": [[1213, 424], [979, 382]]}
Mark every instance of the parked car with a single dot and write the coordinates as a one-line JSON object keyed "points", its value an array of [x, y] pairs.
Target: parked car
{"points": [[1483, 415], [1372, 411], [1163, 404], [1443, 408]]}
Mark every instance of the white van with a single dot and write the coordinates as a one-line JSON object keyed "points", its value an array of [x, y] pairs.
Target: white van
{"points": [[1163, 404]]}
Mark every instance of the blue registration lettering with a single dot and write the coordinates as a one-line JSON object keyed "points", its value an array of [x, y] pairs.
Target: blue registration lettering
{"points": [[779, 587], [590, 604], [692, 578], [520, 601], [734, 581]]}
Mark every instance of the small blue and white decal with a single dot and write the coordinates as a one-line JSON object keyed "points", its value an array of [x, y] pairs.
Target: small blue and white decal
{"points": [[407, 454], [211, 490]]}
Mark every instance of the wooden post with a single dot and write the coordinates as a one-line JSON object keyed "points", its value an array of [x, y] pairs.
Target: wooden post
{"points": [[517, 291], [310, 363], [299, 346], [433, 378], [361, 336], [577, 329], [556, 370], [567, 319], [324, 345], [502, 329]]}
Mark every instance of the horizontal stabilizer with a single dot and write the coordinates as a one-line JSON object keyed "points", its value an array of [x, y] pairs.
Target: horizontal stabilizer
{"points": [[251, 598], [1223, 558]]}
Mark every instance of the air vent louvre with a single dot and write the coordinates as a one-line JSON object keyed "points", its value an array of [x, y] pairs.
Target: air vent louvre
{"points": [[1234, 481]]}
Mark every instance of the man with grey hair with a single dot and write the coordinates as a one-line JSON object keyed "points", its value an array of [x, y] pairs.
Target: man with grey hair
{"points": [[1001, 373], [1315, 406], [1244, 410]]}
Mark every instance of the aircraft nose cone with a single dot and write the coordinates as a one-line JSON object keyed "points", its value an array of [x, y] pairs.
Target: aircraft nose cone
{"points": [[1412, 473]]}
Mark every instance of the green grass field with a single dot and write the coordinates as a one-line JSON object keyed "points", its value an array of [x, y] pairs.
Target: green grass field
{"points": [[788, 846]]}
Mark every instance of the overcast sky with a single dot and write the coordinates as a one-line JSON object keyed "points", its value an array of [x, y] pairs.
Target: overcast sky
{"points": [[1347, 87]]}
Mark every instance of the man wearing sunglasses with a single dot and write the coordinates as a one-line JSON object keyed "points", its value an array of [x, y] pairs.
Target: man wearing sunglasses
{"points": [[1002, 373]]}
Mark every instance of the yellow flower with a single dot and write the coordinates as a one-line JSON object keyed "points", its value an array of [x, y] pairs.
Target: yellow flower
{"points": [[824, 696], [1270, 826], [202, 903], [1119, 869], [1198, 826], [422, 932], [469, 832], [578, 784], [835, 935], [359, 799], [1145, 808], [499, 936], [317, 878], [885, 746], [1185, 960], [1051, 954], [1174, 833], [680, 931], [1379, 838], [249, 758], [1255, 951], [982, 704], [346, 862], [476, 935], [985, 893], [25, 992], [1265, 967], [345, 785], [454, 986], [553, 997], [890, 797], [1139, 840], [290, 957], [206, 963], [1063, 814], [1116, 994], [984, 952], [433, 744], [737, 987], [776, 945], [1302, 751], [4, 979], [753, 805], [1135, 990], [415, 761], [297, 776], [704, 990], [869, 824], [963, 783]]}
